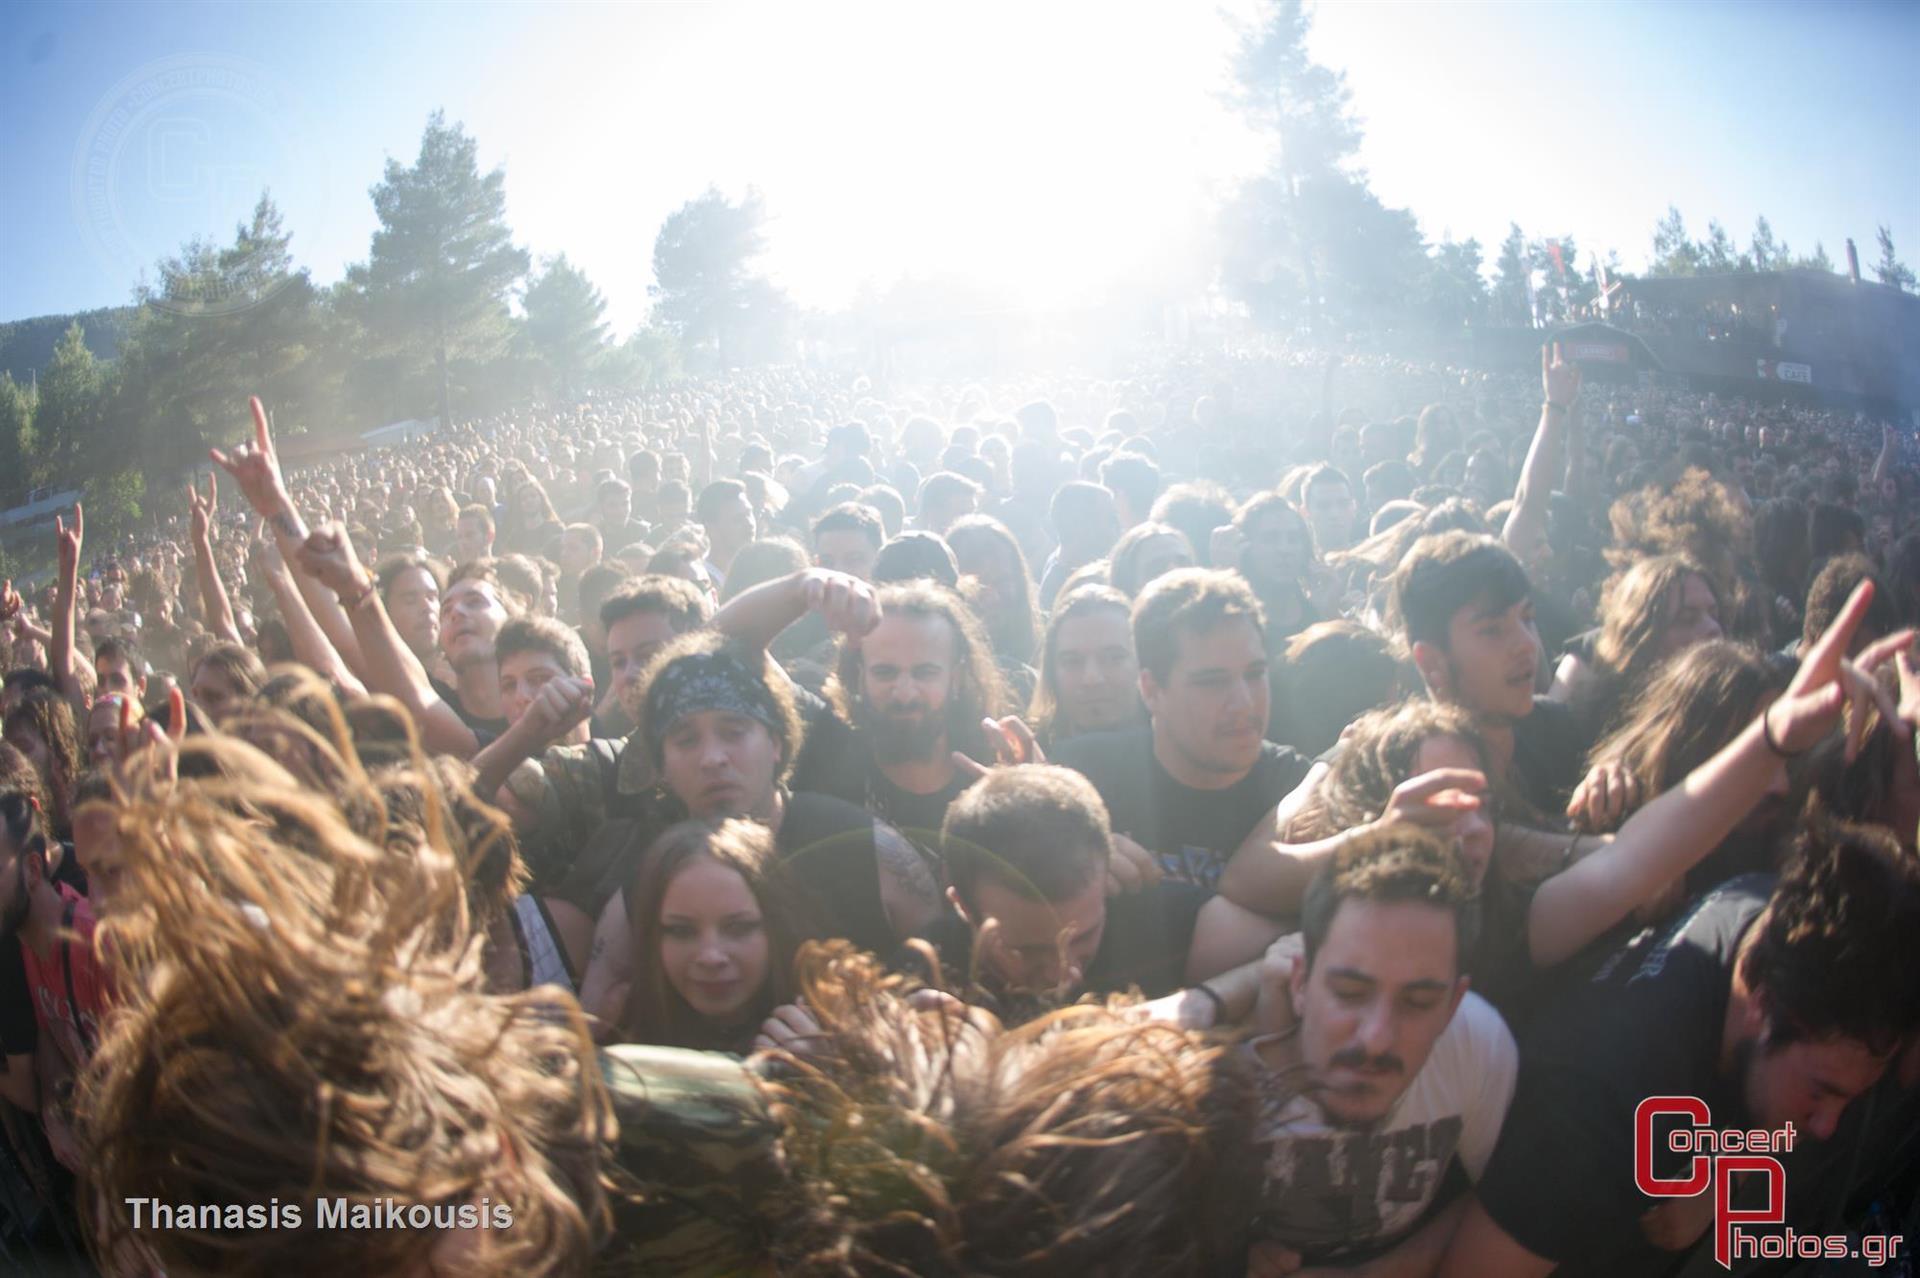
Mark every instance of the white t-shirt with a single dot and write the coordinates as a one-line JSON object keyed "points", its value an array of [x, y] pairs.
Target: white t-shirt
{"points": [[1332, 1190]]}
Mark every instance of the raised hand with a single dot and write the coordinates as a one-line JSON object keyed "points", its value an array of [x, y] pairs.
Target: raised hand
{"points": [[560, 707], [256, 467], [204, 508], [1604, 797], [327, 556], [11, 604], [846, 603], [68, 540], [1434, 799], [1805, 712], [1560, 380]]}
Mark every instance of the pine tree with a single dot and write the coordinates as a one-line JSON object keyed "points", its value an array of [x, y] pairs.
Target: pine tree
{"points": [[563, 322], [1511, 269], [1765, 253], [1717, 253], [443, 260], [1673, 252], [705, 287], [1890, 269]]}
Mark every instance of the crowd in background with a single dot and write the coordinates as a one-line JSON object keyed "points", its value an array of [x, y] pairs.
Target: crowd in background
{"points": [[1268, 812]]}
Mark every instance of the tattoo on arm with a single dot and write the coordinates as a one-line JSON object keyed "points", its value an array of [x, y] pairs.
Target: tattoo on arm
{"points": [[288, 524]]}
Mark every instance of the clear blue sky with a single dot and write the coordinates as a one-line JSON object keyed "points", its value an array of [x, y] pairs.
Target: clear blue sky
{"points": [[1060, 142]]}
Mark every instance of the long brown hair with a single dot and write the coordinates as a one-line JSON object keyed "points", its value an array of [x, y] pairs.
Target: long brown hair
{"points": [[977, 692], [279, 1040], [1696, 703], [1378, 754], [934, 1142], [1634, 614], [49, 716], [1018, 634], [1043, 715], [655, 1012]]}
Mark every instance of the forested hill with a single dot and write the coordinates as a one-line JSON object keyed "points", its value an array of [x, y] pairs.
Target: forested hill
{"points": [[26, 346]]}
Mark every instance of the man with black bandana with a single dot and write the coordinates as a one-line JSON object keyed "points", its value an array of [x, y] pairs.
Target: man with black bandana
{"points": [[721, 731]]}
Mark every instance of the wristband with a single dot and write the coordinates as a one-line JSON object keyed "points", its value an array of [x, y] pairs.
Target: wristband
{"points": [[1766, 734], [363, 596], [1219, 1004], [1565, 408]]}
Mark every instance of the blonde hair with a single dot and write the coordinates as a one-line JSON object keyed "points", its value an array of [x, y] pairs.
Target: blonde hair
{"points": [[300, 1017]]}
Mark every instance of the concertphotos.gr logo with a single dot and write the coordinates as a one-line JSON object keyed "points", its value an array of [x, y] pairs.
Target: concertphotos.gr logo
{"points": [[1716, 1156]]}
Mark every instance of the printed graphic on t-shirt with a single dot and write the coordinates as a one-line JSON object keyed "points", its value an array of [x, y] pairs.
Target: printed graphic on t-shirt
{"points": [[1339, 1190]]}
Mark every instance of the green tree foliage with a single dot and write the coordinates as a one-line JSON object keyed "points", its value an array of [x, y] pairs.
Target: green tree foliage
{"points": [[1718, 256], [650, 357], [1674, 253], [1306, 239], [17, 466], [443, 259], [224, 322], [706, 290], [70, 414], [1890, 269], [563, 325], [1456, 292], [1510, 269], [113, 503], [1766, 253], [1818, 262]]}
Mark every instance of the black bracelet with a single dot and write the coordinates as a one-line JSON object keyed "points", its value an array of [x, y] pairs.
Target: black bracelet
{"points": [[1766, 734], [1219, 1004]]}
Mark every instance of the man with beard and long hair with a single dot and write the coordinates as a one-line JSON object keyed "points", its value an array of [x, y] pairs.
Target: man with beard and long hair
{"points": [[907, 696], [913, 687]]}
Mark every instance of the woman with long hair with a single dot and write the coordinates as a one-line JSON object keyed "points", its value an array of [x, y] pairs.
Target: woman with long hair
{"points": [[1145, 552], [42, 728], [715, 929], [1089, 675], [1003, 592], [1649, 613]]}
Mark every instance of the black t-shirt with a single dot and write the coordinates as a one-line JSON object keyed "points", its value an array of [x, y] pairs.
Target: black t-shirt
{"points": [[1144, 946], [1549, 755], [1192, 833], [835, 760], [487, 730], [827, 847], [1647, 1023]]}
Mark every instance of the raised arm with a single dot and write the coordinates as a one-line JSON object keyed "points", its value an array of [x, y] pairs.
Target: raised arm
{"points": [[310, 644], [1270, 876], [757, 616], [391, 667], [1527, 522], [214, 604], [561, 706], [255, 467], [1670, 835], [1889, 449], [68, 542]]}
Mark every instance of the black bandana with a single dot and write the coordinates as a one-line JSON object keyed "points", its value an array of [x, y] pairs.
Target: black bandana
{"points": [[707, 681]]}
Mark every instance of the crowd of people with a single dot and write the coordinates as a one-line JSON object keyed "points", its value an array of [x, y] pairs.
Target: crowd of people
{"points": [[1265, 813]]}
